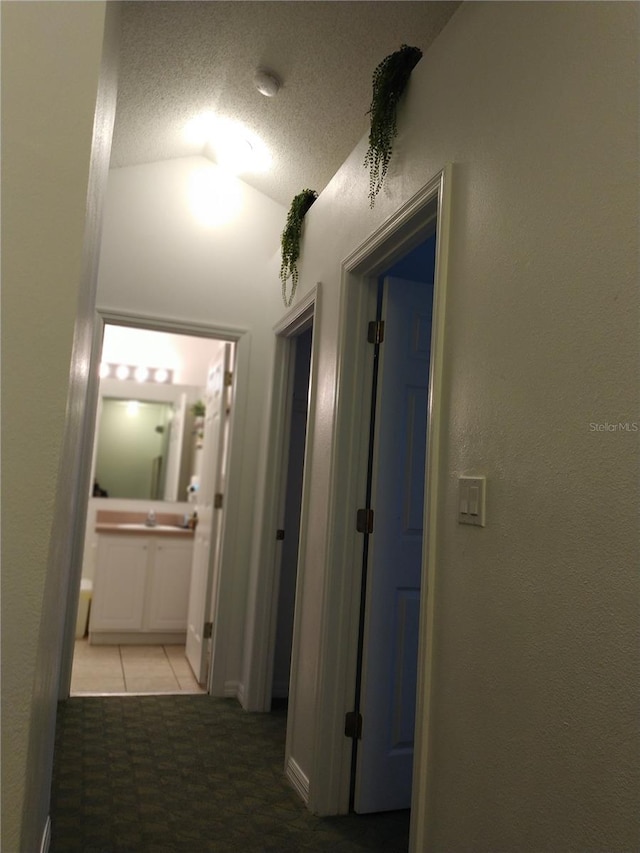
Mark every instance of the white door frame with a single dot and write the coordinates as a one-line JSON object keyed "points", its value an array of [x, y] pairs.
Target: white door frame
{"points": [[242, 340], [399, 234], [263, 604]]}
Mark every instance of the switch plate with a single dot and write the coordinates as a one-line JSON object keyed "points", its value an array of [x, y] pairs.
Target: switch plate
{"points": [[471, 500]]}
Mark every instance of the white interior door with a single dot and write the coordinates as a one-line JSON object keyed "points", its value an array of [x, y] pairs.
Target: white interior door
{"points": [[208, 531], [388, 693]]}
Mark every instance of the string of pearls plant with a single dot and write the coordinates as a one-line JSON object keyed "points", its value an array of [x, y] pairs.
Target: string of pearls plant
{"points": [[389, 82], [390, 79], [290, 242]]}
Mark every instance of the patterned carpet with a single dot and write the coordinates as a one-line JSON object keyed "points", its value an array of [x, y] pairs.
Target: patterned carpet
{"points": [[189, 774]]}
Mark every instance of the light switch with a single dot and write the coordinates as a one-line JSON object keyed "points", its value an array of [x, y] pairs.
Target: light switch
{"points": [[471, 500]]}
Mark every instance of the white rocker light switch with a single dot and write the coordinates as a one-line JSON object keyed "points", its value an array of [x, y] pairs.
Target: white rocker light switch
{"points": [[471, 500]]}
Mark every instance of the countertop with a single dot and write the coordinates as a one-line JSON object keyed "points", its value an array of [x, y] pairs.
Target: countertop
{"points": [[133, 524], [133, 529]]}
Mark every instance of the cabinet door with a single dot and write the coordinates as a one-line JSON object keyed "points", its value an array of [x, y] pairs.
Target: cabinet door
{"points": [[169, 586], [121, 573]]}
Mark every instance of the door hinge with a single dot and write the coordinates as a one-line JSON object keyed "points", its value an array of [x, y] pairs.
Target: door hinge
{"points": [[364, 521], [279, 535], [353, 725], [228, 378], [375, 335], [207, 631], [218, 500]]}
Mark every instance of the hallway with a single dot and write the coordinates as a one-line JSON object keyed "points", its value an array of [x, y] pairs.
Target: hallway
{"points": [[189, 774]]}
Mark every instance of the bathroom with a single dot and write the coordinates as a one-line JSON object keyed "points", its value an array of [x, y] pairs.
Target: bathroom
{"points": [[142, 514]]}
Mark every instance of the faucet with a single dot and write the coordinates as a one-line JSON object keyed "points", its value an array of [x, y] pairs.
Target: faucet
{"points": [[151, 519]]}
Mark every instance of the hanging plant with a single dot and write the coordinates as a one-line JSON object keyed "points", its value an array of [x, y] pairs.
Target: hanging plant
{"points": [[291, 242], [389, 81]]}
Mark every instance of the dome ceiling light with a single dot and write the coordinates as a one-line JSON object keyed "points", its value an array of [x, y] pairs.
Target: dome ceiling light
{"points": [[234, 146], [267, 83]]}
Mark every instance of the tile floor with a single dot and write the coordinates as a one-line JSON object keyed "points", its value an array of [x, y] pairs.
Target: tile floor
{"points": [[131, 669]]}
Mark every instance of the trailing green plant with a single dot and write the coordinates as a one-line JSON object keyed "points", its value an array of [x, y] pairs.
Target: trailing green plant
{"points": [[198, 410], [389, 81], [290, 241]]}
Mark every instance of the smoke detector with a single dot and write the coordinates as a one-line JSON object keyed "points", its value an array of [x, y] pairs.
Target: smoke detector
{"points": [[266, 83]]}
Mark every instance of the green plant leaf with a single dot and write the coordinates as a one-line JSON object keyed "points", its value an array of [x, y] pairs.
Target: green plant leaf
{"points": [[389, 82], [290, 241]]}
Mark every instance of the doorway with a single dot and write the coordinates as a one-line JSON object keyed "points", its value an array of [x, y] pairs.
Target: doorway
{"points": [[392, 549], [289, 533], [426, 213], [151, 656]]}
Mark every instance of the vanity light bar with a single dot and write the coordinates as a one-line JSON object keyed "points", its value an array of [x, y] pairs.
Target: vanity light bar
{"points": [[137, 373]]}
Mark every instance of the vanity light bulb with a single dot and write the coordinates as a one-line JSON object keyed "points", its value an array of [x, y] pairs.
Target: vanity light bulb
{"points": [[141, 374], [104, 370], [161, 375], [122, 371]]}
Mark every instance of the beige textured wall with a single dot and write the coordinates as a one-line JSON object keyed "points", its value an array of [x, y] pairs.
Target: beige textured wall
{"points": [[534, 724], [51, 54]]}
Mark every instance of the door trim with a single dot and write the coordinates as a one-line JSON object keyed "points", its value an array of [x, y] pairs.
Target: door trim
{"points": [[400, 233], [242, 339], [263, 602]]}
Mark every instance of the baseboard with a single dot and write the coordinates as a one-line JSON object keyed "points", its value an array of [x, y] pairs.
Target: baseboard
{"points": [[298, 779], [137, 638], [240, 692], [46, 836], [233, 690]]}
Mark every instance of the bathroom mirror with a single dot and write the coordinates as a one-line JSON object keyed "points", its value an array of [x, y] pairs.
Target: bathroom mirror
{"points": [[144, 450]]}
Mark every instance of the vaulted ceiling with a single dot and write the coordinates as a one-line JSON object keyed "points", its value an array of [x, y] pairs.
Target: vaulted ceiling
{"points": [[179, 59]]}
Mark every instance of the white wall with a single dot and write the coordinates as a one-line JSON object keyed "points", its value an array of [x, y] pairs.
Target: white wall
{"points": [[535, 684], [158, 260], [51, 201], [188, 357], [158, 257]]}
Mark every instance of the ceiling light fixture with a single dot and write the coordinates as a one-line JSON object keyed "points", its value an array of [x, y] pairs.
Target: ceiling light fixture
{"points": [[237, 149], [232, 145], [267, 83]]}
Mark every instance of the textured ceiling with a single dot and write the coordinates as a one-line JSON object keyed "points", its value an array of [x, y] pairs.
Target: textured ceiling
{"points": [[182, 58]]}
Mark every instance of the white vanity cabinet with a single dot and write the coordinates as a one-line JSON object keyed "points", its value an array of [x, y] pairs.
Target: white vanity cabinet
{"points": [[120, 584], [141, 589], [169, 590]]}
